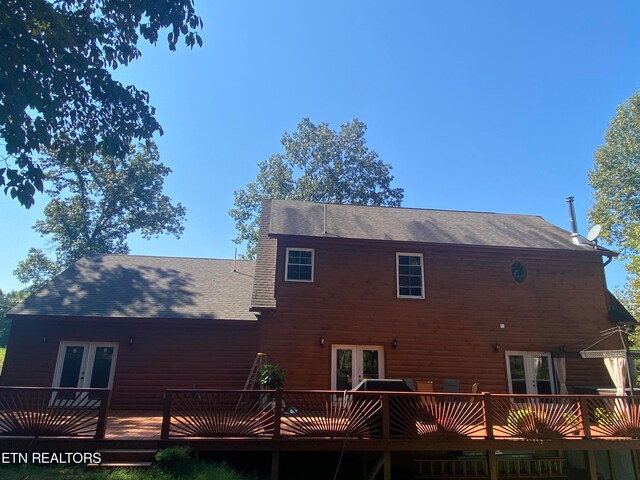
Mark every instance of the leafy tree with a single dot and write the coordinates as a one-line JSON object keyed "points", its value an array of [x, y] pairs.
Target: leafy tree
{"points": [[56, 83], [615, 179], [7, 302], [318, 165], [96, 205], [37, 269]]}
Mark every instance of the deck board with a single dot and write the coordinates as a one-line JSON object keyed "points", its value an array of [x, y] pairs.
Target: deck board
{"points": [[125, 425]]}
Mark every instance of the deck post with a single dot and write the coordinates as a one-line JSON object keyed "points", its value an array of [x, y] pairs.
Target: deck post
{"points": [[636, 463], [488, 415], [275, 464], [101, 426], [592, 468], [386, 431], [166, 416], [584, 414], [277, 414], [492, 462]]}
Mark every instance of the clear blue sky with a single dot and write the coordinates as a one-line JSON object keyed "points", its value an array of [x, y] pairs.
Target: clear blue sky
{"points": [[489, 106]]}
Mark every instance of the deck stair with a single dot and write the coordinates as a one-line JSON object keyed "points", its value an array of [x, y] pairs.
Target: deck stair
{"points": [[125, 458]]}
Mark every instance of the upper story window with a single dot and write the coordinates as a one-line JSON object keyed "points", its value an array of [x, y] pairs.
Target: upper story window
{"points": [[410, 275], [299, 265]]}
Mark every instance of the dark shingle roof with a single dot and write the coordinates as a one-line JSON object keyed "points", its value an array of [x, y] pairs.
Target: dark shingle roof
{"points": [[147, 287], [290, 217]]}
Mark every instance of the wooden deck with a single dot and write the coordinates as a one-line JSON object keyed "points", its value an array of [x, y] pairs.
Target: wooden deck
{"points": [[128, 425], [330, 421]]}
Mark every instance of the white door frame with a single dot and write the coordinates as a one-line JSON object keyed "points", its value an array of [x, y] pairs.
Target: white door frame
{"points": [[356, 361], [529, 371], [88, 357]]}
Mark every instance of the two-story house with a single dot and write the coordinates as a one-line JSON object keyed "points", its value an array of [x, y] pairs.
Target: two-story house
{"points": [[338, 293]]}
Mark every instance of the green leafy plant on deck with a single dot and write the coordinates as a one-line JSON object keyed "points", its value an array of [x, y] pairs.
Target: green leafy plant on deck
{"points": [[271, 377]]}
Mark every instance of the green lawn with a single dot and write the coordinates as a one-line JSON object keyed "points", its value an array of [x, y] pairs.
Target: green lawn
{"points": [[3, 350], [196, 471], [177, 463]]}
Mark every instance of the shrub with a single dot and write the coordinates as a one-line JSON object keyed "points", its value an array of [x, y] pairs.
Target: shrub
{"points": [[271, 377], [173, 458]]}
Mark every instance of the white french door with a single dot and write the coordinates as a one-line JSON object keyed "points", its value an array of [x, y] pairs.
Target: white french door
{"points": [[530, 373], [350, 364], [85, 364]]}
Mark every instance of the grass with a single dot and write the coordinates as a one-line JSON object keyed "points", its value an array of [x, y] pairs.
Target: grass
{"points": [[193, 469], [3, 350]]}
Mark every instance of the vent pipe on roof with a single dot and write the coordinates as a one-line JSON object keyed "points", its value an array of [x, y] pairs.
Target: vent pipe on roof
{"points": [[324, 220], [575, 237]]}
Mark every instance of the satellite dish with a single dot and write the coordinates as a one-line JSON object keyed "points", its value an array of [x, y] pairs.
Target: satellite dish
{"points": [[594, 232]]}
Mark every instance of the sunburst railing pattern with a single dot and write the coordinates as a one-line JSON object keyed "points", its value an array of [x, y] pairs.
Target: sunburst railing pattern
{"points": [[331, 414], [614, 416], [437, 415], [536, 416], [53, 412], [324, 414], [217, 413]]}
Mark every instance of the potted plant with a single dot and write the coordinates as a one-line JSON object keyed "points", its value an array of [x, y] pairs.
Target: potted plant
{"points": [[271, 377]]}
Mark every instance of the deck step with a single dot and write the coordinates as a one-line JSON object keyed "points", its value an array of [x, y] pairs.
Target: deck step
{"points": [[121, 465], [112, 458]]}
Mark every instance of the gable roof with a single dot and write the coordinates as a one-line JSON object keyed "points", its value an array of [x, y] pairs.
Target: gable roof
{"points": [[359, 222], [292, 217], [146, 287]]}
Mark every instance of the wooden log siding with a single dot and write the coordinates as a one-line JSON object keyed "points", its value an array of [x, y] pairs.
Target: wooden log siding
{"points": [[177, 353], [470, 292]]}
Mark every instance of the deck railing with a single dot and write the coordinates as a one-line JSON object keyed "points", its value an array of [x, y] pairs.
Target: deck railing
{"points": [[53, 412], [394, 415]]}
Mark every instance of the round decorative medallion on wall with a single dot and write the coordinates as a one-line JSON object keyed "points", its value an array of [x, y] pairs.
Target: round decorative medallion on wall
{"points": [[518, 271]]}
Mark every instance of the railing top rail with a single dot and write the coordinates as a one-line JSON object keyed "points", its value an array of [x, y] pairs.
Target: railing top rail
{"points": [[57, 389], [326, 392]]}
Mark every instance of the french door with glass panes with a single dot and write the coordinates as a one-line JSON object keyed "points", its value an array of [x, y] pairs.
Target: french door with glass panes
{"points": [[350, 364], [85, 364], [530, 373]]}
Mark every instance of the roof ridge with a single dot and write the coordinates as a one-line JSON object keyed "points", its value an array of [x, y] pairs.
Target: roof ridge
{"points": [[409, 208], [130, 255]]}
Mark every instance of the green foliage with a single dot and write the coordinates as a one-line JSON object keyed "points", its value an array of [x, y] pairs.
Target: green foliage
{"points": [[523, 419], [615, 179], [192, 470], [36, 270], [7, 302], [271, 377], [57, 90], [318, 165], [96, 205], [173, 458]]}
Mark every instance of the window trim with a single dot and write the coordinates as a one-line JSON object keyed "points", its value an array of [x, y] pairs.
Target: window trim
{"points": [[286, 264], [409, 254]]}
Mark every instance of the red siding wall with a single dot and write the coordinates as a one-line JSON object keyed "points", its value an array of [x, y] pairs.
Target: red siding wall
{"points": [[452, 332], [165, 354]]}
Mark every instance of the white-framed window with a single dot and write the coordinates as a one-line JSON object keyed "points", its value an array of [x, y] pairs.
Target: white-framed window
{"points": [[299, 267], [410, 273]]}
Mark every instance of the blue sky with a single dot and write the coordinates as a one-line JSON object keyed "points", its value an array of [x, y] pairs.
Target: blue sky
{"points": [[487, 106]]}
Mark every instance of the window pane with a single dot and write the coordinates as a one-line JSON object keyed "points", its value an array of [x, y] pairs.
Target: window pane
{"points": [[370, 367], [71, 366], [344, 360], [410, 275], [299, 265], [102, 367]]}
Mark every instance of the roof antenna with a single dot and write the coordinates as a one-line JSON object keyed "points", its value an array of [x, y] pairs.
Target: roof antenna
{"points": [[324, 230], [235, 255]]}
